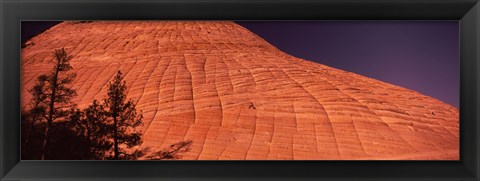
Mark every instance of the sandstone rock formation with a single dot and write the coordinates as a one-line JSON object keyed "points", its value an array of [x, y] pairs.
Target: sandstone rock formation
{"points": [[239, 98]]}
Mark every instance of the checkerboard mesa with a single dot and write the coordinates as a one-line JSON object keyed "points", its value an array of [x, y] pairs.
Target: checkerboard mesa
{"points": [[237, 97]]}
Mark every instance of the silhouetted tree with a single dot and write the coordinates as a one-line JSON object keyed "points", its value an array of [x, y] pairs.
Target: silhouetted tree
{"points": [[27, 129], [58, 95], [124, 118], [96, 132], [91, 125], [38, 107]]}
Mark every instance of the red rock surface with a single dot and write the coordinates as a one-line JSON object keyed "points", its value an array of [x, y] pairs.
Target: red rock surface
{"points": [[239, 98]]}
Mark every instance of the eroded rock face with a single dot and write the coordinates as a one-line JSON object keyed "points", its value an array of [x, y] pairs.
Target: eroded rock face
{"points": [[238, 97]]}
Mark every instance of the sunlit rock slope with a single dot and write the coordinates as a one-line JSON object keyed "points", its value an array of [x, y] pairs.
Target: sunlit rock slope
{"points": [[240, 98]]}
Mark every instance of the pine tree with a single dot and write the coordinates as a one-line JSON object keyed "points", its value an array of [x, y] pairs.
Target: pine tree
{"points": [[58, 94], [91, 125], [38, 106], [124, 118]]}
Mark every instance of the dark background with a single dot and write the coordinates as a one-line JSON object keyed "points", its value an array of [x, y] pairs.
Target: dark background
{"points": [[418, 55]]}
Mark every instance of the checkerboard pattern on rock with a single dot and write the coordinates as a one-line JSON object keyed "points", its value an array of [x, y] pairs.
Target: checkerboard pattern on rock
{"points": [[239, 98]]}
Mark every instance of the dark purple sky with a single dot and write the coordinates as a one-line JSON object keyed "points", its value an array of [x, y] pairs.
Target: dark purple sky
{"points": [[418, 55]]}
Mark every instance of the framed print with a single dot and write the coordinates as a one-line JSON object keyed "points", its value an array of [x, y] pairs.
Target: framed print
{"points": [[294, 90]]}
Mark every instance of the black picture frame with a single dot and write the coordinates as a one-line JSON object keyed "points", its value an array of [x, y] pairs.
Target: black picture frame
{"points": [[467, 12]]}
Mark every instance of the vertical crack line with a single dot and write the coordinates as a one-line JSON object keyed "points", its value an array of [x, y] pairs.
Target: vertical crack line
{"points": [[184, 63], [368, 108], [157, 84], [253, 135], [352, 122], [98, 69], [160, 101], [318, 102], [231, 92], [296, 127], [107, 80], [78, 45], [147, 81], [273, 133], [203, 144], [356, 134], [371, 111], [137, 82], [135, 79], [316, 137], [218, 95], [158, 95], [225, 148], [191, 86], [83, 75], [170, 114], [94, 81]]}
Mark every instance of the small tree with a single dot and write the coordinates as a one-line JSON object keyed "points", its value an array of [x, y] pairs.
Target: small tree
{"points": [[90, 124], [57, 93], [124, 118], [38, 106]]}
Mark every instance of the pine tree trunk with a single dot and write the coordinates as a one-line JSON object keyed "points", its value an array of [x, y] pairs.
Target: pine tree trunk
{"points": [[46, 139], [30, 130], [89, 143], [115, 136], [115, 125]]}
